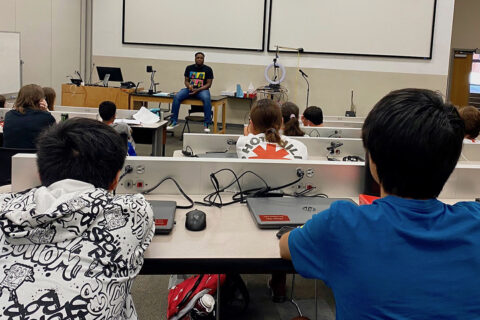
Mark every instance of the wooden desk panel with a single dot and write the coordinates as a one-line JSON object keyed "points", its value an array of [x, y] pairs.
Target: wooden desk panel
{"points": [[91, 96]]}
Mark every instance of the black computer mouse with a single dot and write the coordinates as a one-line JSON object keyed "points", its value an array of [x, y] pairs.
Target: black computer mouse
{"points": [[196, 220]]}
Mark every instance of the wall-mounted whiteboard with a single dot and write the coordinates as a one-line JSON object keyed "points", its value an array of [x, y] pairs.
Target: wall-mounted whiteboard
{"points": [[9, 62], [228, 24], [392, 28]]}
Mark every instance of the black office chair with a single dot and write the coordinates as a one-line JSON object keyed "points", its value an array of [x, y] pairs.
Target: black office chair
{"points": [[6, 155], [190, 118]]}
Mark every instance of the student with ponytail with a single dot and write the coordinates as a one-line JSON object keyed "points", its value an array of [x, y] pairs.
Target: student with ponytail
{"points": [[291, 126], [262, 138]]}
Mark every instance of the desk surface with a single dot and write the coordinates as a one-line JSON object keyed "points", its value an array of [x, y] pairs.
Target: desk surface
{"points": [[231, 243]]}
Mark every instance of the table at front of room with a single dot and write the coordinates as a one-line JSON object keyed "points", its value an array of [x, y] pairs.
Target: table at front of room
{"points": [[217, 101]]}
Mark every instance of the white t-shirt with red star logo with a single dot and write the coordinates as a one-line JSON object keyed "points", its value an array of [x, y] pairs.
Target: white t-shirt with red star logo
{"points": [[256, 147]]}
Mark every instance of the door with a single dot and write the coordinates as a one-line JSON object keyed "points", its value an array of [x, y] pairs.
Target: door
{"points": [[460, 84]]}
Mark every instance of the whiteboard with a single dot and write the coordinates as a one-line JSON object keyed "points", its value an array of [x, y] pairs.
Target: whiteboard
{"points": [[392, 28], [9, 62], [228, 24]]}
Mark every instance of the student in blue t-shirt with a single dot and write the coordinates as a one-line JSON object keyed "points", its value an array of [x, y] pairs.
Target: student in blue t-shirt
{"points": [[408, 255]]}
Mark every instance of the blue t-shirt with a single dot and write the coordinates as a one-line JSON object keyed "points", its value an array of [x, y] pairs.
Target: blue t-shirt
{"points": [[395, 259]]}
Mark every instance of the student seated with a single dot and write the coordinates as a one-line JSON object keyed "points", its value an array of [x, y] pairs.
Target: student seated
{"points": [[291, 126], [471, 117], [50, 97], [71, 249], [262, 138], [108, 112], [312, 117], [27, 119], [408, 255]]}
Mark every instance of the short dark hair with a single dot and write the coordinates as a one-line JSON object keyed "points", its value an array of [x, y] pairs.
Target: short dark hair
{"points": [[415, 140], [81, 149], [199, 52], [314, 114], [471, 117], [107, 110]]}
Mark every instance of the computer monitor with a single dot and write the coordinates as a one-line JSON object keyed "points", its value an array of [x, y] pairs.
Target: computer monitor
{"points": [[115, 74]]}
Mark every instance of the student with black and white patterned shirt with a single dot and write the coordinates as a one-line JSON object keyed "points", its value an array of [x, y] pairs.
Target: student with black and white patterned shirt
{"points": [[69, 249]]}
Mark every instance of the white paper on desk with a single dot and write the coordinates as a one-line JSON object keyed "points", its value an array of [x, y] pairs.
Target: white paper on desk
{"points": [[127, 121], [146, 116]]}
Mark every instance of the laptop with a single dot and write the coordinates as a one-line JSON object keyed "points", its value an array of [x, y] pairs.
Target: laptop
{"points": [[163, 215], [276, 212], [218, 155]]}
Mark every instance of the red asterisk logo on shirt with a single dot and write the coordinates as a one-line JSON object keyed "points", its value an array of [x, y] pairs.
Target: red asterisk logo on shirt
{"points": [[270, 152]]}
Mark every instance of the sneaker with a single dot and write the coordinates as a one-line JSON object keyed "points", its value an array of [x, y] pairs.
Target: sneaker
{"points": [[206, 129], [172, 125]]}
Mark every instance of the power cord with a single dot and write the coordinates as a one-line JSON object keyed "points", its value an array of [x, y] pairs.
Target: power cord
{"points": [[187, 153], [215, 199], [128, 169], [179, 189]]}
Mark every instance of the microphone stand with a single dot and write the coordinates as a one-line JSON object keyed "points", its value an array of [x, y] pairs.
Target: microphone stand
{"points": [[308, 88]]}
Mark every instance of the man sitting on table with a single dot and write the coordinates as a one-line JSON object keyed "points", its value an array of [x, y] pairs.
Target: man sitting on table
{"points": [[408, 255], [198, 80], [69, 249]]}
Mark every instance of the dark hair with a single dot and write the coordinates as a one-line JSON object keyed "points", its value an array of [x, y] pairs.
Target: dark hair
{"points": [[2, 101], [267, 118], [314, 114], [199, 52], [415, 139], [29, 97], [107, 110], [81, 149], [290, 120], [471, 117], [50, 96]]}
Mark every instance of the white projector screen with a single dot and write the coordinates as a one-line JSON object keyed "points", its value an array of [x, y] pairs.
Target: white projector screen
{"points": [[9, 62], [225, 24], [392, 28]]}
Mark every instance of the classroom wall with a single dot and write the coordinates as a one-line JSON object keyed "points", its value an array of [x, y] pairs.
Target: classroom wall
{"points": [[466, 25], [331, 77], [50, 38]]}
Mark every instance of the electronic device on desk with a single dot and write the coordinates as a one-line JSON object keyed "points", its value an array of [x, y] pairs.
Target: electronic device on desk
{"points": [[109, 74], [128, 85], [163, 215], [76, 82], [153, 84], [353, 109], [276, 212], [196, 220]]}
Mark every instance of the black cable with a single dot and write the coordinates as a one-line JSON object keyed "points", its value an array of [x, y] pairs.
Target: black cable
{"points": [[241, 195], [179, 189]]}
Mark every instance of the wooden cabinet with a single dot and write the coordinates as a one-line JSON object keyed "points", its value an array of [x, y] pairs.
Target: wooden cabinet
{"points": [[92, 96]]}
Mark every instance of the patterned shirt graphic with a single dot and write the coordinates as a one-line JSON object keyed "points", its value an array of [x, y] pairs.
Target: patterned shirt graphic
{"points": [[198, 75], [256, 147], [71, 255]]}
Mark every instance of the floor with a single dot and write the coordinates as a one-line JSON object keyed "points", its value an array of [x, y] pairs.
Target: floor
{"points": [[150, 292]]}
